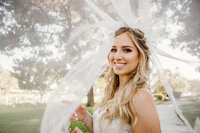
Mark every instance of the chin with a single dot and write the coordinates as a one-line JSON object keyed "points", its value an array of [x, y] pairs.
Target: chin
{"points": [[120, 73]]}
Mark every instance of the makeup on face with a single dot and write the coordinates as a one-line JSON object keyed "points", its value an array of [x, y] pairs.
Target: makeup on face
{"points": [[123, 56]]}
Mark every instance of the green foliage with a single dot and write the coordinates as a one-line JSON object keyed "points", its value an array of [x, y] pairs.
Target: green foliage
{"points": [[159, 90], [78, 124], [159, 96]]}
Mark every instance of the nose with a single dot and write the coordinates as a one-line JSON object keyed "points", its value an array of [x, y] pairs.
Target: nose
{"points": [[118, 55]]}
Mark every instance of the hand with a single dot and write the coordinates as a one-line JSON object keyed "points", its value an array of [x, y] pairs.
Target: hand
{"points": [[76, 130], [81, 114]]}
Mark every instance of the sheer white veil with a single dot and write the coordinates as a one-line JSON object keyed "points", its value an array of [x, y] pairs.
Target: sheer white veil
{"points": [[98, 36]]}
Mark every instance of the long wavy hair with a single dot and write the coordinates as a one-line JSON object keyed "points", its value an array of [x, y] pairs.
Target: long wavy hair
{"points": [[120, 100]]}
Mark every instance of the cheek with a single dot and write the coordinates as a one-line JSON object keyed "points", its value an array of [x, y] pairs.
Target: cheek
{"points": [[134, 60]]}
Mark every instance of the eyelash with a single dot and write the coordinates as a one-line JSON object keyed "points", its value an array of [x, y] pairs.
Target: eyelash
{"points": [[125, 50], [113, 50]]}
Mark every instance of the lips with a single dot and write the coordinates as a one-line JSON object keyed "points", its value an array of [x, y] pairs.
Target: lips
{"points": [[119, 65]]}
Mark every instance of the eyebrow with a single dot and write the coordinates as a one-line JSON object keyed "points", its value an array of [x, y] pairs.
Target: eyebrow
{"points": [[124, 46]]}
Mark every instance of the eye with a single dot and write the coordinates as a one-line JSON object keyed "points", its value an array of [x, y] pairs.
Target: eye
{"points": [[127, 50], [113, 50]]}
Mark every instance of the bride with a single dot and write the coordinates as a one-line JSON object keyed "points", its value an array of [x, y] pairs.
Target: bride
{"points": [[128, 105]]}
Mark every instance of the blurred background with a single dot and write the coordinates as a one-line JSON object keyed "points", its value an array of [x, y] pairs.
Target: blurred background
{"points": [[34, 56]]}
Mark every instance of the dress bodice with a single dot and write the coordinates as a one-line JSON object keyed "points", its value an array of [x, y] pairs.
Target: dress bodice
{"points": [[114, 127]]}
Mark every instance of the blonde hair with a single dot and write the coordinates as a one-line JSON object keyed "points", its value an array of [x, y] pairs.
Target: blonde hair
{"points": [[121, 108]]}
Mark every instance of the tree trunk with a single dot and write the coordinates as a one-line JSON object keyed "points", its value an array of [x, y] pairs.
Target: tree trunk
{"points": [[42, 92], [90, 98]]}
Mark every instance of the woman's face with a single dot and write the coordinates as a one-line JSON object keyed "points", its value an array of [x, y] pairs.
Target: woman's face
{"points": [[123, 56]]}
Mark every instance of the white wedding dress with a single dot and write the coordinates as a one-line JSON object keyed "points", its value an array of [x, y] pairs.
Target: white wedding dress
{"points": [[114, 127]]}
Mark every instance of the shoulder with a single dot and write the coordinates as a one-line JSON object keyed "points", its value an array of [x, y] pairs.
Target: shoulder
{"points": [[142, 95], [143, 92], [146, 113], [143, 101]]}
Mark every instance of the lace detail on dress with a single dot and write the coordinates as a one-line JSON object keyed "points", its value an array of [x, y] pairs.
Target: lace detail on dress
{"points": [[114, 127]]}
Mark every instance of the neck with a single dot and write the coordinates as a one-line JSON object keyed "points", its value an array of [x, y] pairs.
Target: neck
{"points": [[122, 80]]}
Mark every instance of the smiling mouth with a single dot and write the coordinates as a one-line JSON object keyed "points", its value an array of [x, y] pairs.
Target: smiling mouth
{"points": [[119, 64]]}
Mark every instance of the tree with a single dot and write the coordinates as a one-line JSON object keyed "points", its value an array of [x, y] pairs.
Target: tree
{"points": [[36, 75], [34, 34], [90, 98], [195, 86], [184, 13], [7, 81], [178, 83], [159, 89]]}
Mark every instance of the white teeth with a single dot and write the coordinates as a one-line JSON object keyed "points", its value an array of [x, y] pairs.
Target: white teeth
{"points": [[119, 64]]}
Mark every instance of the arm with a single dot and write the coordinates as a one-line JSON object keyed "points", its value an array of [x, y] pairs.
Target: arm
{"points": [[147, 116], [83, 115], [88, 122]]}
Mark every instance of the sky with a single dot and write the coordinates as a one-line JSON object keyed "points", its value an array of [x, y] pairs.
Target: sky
{"points": [[5, 62], [187, 70]]}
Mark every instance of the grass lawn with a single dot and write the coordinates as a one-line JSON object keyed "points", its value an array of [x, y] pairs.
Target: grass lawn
{"points": [[191, 112], [26, 118]]}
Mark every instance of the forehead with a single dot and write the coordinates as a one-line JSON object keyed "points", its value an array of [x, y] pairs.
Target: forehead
{"points": [[123, 40]]}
